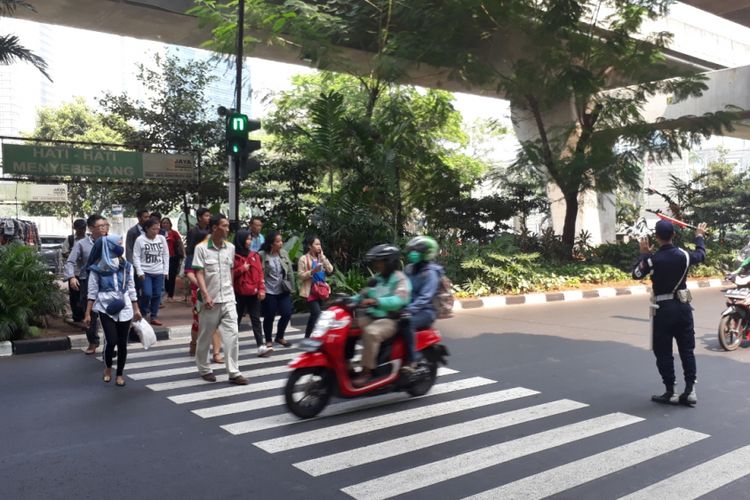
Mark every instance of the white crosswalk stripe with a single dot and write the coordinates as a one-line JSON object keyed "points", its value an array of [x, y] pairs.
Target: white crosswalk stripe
{"points": [[246, 338], [699, 480], [392, 419], [240, 407], [456, 466], [259, 424], [485, 411], [593, 467], [406, 444]]}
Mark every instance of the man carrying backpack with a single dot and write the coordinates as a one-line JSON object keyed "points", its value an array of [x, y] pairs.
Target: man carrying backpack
{"points": [[425, 276]]}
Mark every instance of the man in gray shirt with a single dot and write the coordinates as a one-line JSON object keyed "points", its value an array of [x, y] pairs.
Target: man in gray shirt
{"points": [[79, 256]]}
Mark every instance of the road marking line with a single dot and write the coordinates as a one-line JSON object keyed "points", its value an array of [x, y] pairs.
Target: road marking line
{"points": [[316, 436], [699, 480], [271, 370], [228, 391], [406, 444], [348, 406], [456, 466], [240, 406], [246, 338], [184, 360], [570, 475]]}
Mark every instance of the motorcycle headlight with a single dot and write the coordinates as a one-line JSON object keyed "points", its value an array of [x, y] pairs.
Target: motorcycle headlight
{"points": [[327, 321]]}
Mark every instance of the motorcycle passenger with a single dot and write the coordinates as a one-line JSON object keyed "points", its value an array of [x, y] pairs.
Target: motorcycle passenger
{"points": [[424, 275], [389, 293]]}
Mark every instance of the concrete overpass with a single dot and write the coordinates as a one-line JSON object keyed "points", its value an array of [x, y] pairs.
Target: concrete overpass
{"points": [[165, 21], [719, 47]]}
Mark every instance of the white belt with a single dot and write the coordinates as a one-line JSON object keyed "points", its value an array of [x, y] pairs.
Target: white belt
{"points": [[663, 297]]}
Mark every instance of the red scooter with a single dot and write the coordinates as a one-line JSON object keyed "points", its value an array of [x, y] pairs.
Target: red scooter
{"points": [[324, 369]]}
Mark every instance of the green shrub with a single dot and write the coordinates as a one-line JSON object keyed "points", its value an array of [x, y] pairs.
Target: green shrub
{"points": [[620, 255], [28, 292]]}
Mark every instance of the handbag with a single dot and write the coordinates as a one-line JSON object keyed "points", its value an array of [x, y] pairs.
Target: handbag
{"points": [[321, 289], [118, 304]]}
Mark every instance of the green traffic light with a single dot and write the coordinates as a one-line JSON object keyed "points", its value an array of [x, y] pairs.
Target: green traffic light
{"points": [[238, 123], [235, 148]]}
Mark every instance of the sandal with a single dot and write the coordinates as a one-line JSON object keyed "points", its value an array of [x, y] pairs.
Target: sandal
{"points": [[120, 382], [218, 358], [284, 342], [107, 377]]}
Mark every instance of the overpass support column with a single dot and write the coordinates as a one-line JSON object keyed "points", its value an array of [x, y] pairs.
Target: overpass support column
{"points": [[596, 211]]}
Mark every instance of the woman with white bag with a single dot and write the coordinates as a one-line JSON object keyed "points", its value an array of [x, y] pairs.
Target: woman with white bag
{"points": [[111, 293]]}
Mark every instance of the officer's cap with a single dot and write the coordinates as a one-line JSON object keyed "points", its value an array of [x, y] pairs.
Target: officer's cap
{"points": [[664, 229]]}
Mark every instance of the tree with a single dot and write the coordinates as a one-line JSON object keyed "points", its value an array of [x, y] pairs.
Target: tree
{"points": [[174, 118], [566, 57], [11, 50], [329, 144], [714, 194], [76, 121]]}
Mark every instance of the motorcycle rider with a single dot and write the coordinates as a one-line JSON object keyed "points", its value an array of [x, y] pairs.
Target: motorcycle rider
{"points": [[424, 275], [389, 292]]}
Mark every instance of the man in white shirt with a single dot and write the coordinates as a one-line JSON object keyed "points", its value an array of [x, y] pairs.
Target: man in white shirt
{"points": [[212, 264]]}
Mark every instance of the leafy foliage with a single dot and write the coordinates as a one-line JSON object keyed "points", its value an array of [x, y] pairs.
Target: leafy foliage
{"points": [[28, 292], [714, 195], [11, 50], [566, 57], [173, 119]]}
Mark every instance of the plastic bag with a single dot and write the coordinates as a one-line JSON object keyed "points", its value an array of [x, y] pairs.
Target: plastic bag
{"points": [[145, 333]]}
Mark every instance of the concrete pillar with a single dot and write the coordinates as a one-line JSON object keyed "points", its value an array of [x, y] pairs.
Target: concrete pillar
{"points": [[596, 213]]}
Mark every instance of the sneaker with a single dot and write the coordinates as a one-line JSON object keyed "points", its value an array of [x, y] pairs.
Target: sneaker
{"points": [[238, 380], [263, 351], [409, 368], [689, 398], [668, 398]]}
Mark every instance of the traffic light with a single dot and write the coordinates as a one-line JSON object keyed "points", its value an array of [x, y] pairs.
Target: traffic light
{"points": [[238, 126]]}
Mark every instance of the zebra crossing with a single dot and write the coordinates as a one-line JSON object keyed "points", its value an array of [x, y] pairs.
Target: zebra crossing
{"points": [[474, 425]]}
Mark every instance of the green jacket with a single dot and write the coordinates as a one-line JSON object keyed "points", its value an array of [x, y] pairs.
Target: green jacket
{"points": [[286, 263], [392, 294]]}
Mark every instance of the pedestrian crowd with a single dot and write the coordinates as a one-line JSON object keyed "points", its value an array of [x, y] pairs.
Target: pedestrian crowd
{"points": [[116, 283]]}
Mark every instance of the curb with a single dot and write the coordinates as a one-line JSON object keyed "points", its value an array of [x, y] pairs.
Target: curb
{"points": [[8, 348], [570, 295]]}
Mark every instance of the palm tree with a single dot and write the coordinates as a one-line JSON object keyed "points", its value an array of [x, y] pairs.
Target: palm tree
{"points": [[11, 49]]}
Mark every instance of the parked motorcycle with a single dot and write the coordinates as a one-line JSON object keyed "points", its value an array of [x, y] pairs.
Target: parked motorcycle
{"points": [[734, 326], [324, 369]]}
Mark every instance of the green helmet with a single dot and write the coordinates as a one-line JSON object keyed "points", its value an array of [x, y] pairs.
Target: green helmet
{"points": [[425, 246]]}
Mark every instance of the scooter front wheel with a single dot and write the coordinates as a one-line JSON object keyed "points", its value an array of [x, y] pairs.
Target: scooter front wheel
{"points": [[308, 391], [731, 331]]}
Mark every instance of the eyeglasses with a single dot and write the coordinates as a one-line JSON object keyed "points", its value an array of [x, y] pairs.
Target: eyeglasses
{"points": [[101, 226]]}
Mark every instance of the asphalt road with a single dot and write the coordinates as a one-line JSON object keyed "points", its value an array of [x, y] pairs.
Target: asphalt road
{"points": [[542, 400]]}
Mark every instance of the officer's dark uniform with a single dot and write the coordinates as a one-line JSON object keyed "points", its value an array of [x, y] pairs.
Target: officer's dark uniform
{"points": [[672, 318]]}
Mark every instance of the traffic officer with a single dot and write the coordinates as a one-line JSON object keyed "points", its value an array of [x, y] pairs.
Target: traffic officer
{"points": [[672, 315]]}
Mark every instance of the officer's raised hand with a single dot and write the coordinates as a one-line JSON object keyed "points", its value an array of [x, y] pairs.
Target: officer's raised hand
{"points": [[701, 229], [645, 244]]}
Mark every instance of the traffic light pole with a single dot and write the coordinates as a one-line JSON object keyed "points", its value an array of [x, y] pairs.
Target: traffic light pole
{"points": [[234, 162]]}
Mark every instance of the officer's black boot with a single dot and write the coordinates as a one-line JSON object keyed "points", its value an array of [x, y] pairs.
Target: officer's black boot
{"points": [[689, 397], [669, 397]]}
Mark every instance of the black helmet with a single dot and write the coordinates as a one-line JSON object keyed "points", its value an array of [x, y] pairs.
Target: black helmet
{"points": [[386, 251]]}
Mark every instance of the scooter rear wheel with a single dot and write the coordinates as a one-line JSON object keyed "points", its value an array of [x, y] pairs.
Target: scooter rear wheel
{"points": [[420, 388], [731, 332], [308, 391]]}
